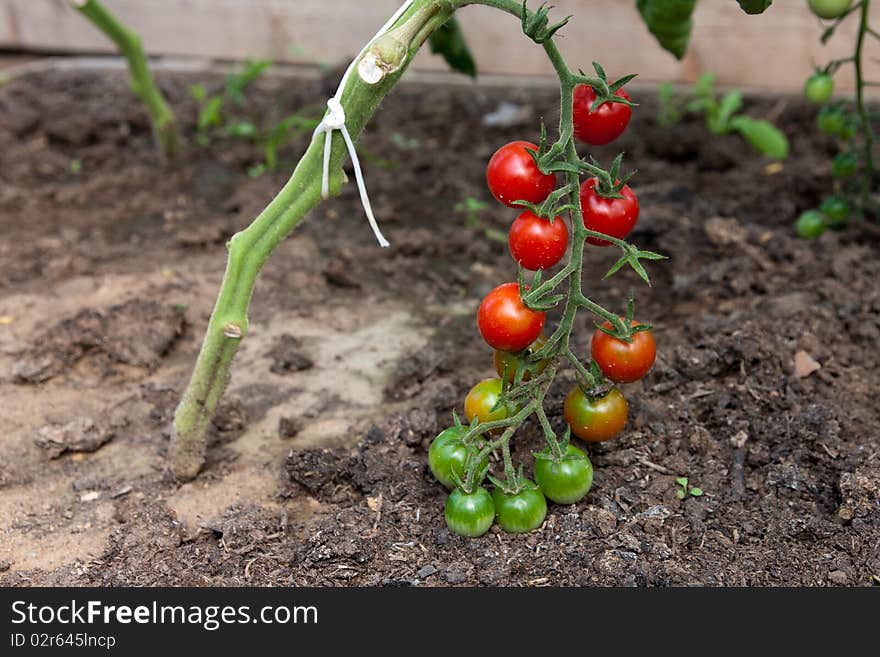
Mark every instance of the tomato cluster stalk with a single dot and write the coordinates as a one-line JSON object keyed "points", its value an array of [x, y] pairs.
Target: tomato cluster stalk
{"points": [[319, 175], [848, 120]]}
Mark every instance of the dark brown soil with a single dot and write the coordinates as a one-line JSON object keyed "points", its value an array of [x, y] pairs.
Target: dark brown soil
{"points": [[107, 276]]}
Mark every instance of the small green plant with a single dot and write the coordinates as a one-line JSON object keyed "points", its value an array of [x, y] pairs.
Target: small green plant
{"points": [[722, 116], [472, 209], [685, 490], [142, 83], [214, 108], [219, 116]]}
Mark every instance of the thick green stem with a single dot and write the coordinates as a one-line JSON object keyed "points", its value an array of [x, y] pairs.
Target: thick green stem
{"points": [[142, 83], [249, 249]]}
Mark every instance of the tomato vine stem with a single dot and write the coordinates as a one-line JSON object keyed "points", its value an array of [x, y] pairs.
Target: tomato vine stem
{"points": [[141, 80]]}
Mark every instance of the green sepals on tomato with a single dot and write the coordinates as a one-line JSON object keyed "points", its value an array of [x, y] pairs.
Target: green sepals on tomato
{"points": [[612, 216], [483, 402], [818, 88], [810, 224], [595, 419], [829, 9], [603, 124], [506, 361], [512, 175], [520, 511], [448, 456], [469, 514], [564, 480], [505, 322], [621, 361], [537, 243]]}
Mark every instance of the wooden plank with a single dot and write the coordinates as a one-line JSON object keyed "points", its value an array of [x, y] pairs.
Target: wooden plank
{"points": [[775, 50]]}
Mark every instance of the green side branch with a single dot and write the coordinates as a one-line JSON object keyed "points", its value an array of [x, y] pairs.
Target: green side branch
{"points": [[142, 83], [250, 248]]}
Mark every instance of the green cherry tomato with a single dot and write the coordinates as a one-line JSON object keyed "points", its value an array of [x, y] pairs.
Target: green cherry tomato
{"points": [[520, 512], [831, 121], [448, 454], [810, 224], [844, 165], [566, 481], [469, 514], [829, 9], [836, 210], [819, 88], [482, 399]]}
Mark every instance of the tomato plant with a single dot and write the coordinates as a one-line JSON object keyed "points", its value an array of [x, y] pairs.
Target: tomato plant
{"points": [[595, 419], [541, 175], [512, 175], [614, 215], [537, 243], [847, 120], [505, 322], [602, 124], [564, 479], [621, 361]]}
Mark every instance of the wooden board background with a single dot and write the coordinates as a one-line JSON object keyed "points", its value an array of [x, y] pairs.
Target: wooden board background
{"points": [[775, 50]]}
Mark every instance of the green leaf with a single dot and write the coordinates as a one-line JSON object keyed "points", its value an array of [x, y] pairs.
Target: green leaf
{"points": [[754, 6], [729, 104], [242, 129], [696, 492], [705, 86], [670, 22], [761, 135], [449, 42], [210, 114], [251, 70], [682, 481]]}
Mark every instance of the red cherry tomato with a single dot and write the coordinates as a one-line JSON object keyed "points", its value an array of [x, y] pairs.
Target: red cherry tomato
{"points": [[624, 362], [602, 125], [613, 216], [535, 243], [512, 175], [504, 321], [595, 420]]}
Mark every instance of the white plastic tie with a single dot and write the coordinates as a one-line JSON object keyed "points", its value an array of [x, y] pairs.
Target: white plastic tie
{"points": [[334, 119]]}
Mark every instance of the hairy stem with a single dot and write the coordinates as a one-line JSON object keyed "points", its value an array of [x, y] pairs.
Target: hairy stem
{"points": [[142, 83]]}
